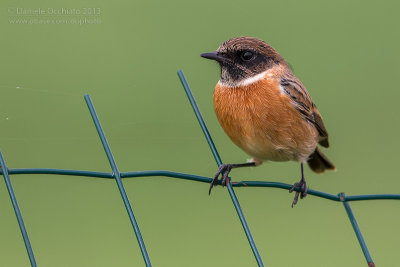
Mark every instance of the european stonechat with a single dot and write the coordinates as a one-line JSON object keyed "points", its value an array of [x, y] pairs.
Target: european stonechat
{"points": [[266, 110]]}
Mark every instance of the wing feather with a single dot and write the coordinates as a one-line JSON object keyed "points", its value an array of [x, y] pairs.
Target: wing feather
{"points": [[297, 92]]}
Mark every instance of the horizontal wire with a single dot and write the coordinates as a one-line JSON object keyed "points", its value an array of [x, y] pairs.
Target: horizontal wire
{"points": [[372, 197], [60, 172], [287, 187], [197, 178]]}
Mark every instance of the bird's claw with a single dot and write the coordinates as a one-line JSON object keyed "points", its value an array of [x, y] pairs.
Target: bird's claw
{"points": [[224, 169], [302, 193]]}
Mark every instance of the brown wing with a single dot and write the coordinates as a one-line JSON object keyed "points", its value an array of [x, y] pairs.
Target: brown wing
{"points": [[297, 92]]}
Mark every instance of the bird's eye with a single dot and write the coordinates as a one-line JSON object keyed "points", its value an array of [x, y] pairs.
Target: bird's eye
{"points": [[247, 55]]}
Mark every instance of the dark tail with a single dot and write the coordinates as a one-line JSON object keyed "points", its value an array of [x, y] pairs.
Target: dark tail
{"points": [[318, 162]]}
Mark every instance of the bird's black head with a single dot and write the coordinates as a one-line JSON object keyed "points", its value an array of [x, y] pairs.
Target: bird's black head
{"points": [[243, 57]]}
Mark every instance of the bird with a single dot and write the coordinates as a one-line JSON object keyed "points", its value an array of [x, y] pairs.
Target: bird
{"points": [[266, 110]]}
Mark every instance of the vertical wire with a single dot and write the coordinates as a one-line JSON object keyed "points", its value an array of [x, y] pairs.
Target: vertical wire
{"points": [[357, 230], [219, 162], [117, 176], [17, 211]]}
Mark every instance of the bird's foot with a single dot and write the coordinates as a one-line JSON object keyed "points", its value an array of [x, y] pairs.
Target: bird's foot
{"points": [[303, 191], [223, 170]]}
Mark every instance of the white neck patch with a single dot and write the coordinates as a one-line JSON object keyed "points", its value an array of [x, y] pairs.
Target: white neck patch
{"points": [[247, 81]]}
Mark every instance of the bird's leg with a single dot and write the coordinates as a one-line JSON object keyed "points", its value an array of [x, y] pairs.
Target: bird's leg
{"points": [[224, 170], [303, 187]]}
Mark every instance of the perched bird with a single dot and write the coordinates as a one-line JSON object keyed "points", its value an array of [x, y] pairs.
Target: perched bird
{"points": [[266, 110]]}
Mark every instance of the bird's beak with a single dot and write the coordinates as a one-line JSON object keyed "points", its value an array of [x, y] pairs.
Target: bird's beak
{"points": [[213, 56]]}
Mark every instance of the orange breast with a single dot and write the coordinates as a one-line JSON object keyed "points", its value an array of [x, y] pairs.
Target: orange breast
{"points": [[263, 121]]}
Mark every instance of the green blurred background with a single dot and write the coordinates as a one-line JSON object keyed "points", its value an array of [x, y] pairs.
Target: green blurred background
{"points": [[126, 58]]}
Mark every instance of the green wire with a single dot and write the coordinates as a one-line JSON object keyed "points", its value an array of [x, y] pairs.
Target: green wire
{"points": [[118, 176]]}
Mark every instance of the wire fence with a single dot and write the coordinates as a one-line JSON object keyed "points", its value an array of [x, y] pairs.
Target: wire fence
{"points": [[118, 176]]}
